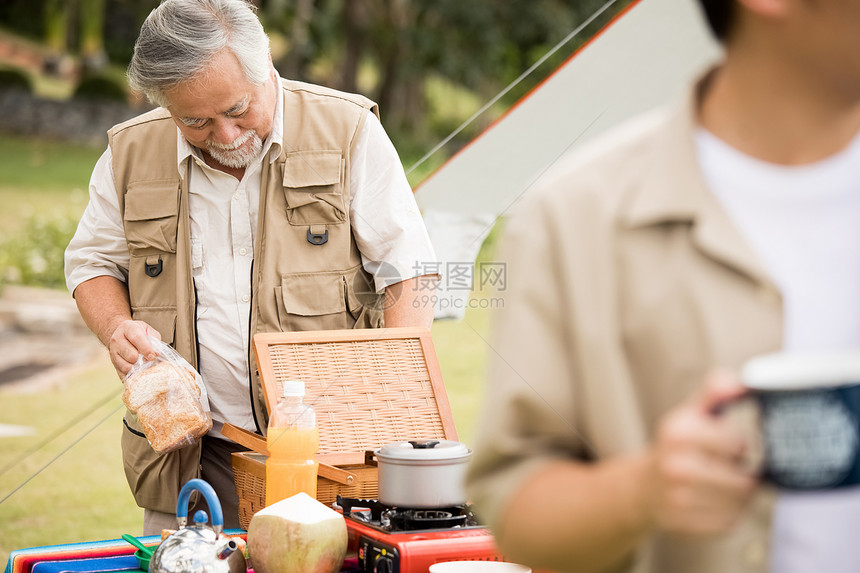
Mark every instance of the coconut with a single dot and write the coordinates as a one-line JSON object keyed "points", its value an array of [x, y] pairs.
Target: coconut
{"points": [[297, 535]]}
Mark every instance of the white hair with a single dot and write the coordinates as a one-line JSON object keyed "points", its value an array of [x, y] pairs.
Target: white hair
{"points": [[180, 38]]}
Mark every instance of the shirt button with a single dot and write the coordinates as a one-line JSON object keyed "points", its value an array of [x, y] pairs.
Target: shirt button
{"points": [[236, 196], [243, 251], [246, 298]]}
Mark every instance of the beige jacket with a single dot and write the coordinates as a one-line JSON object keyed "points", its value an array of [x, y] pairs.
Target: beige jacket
{"points": [[627, 282], [307, 272]]}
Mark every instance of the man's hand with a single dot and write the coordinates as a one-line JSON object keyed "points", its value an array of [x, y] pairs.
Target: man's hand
{"points": [[698, 480], [129, 340]]}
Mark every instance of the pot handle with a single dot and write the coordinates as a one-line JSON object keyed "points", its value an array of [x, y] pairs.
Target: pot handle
{"points": [[424, 444], [211, 500]]}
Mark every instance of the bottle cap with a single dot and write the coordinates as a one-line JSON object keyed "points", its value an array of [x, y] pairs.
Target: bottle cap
{"points": [[294, 388]]}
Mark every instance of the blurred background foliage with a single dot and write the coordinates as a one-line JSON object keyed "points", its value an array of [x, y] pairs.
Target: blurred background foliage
{"points": [[430, 64], [394, 51]]}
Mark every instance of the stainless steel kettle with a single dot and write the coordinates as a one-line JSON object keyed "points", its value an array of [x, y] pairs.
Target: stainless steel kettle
{"points": [[198, 548]]}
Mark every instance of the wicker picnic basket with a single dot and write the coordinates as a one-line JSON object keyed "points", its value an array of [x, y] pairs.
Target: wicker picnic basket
{"points": [[368, 387]]}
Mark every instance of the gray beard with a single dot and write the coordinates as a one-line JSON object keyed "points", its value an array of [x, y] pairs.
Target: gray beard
{"points": [[234, 158]]}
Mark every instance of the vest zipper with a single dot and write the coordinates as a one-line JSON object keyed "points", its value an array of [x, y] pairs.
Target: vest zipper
{"points": [[196, 336], [250, 357], [189, 167]]}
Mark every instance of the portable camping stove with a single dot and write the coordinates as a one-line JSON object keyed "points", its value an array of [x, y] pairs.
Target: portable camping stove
{"points": [[401, 540]]}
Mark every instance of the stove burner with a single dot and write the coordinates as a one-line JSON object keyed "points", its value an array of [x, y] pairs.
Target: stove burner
{"points": [[429, 514], [347, 504], [388, 518], [414, 519]]}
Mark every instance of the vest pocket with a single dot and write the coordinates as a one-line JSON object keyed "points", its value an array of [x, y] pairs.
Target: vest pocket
{"points": [[151, 215], [161, 319], [313, 187], [152, 291], [312, 301], [155, 479]]}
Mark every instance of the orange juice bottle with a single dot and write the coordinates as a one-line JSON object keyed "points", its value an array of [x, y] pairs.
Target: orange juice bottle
{"points": [[292, 439]]}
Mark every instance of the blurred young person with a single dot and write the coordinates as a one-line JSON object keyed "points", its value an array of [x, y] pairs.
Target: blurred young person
{"points": [[245, 203], [641, 275]]}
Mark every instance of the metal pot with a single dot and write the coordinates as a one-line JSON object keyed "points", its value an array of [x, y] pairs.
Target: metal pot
{"points": [[422, 473]]}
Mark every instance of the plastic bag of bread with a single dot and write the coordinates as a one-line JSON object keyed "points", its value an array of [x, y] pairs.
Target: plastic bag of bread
{"points": [[168, 397]]}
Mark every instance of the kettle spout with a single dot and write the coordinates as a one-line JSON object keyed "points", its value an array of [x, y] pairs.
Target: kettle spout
{"points": [[227, 549]]}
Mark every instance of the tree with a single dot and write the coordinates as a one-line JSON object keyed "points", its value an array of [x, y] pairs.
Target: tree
{"points": [[56, 16], [299, 38], [354, 24], [92, 19], [61, 19]]}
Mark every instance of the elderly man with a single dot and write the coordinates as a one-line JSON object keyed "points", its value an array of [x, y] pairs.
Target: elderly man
{"points": [[245, 203], [682, 244]]}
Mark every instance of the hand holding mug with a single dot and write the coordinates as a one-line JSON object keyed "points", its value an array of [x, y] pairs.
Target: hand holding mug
{"points": [[699, 480]]}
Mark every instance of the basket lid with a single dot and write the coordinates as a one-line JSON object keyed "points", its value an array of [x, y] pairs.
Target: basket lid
{"points": [[368, 387]]}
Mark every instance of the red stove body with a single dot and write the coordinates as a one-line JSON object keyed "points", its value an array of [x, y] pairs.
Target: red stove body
{"points": [[416, 551], [382, 550]]}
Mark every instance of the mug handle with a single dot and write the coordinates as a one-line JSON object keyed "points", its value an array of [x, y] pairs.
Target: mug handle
{"points": [[744, 413]]}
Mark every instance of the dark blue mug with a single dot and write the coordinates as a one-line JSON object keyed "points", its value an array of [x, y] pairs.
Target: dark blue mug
{"points": [[809, 418]]}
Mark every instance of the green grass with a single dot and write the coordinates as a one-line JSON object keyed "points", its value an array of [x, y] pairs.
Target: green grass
{"points": [[39, 177], [462, 349], [36, 164], [43, 190], [83, 496]]}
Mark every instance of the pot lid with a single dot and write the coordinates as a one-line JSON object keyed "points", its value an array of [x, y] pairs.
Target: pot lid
{"points": [[423, 450]]}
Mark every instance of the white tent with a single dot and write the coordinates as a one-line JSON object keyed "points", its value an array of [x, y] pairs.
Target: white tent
{"points": [[642, 60]]}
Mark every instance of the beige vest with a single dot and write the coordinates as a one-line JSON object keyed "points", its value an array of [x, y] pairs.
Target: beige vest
{"points": [[307, 272]]}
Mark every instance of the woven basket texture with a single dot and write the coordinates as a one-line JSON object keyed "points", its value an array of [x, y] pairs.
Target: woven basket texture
{"points": [[365, 393]]}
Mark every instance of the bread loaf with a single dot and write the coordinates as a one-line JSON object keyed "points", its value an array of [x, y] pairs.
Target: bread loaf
{"points": [[166, 399]]}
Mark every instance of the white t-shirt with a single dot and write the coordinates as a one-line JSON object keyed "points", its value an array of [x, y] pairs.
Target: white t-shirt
{"points": [[804, 224], [386, 224]]}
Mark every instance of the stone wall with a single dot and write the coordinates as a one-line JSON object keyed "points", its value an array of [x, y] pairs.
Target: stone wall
{"points": [[81, 121]]}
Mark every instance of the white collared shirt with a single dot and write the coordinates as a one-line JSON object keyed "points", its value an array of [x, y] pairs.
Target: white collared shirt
{"points": [[386, 224]]}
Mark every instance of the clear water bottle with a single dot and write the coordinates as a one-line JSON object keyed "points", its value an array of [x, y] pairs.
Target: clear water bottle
{"points": [[293, 440]]}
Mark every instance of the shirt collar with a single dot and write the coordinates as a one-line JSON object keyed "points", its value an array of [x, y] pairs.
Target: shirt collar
{"points": [[272, 146], [276, 137], [673, 189]]}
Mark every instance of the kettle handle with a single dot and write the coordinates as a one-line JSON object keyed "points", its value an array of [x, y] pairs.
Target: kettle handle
{"points": [[211, 500]]}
